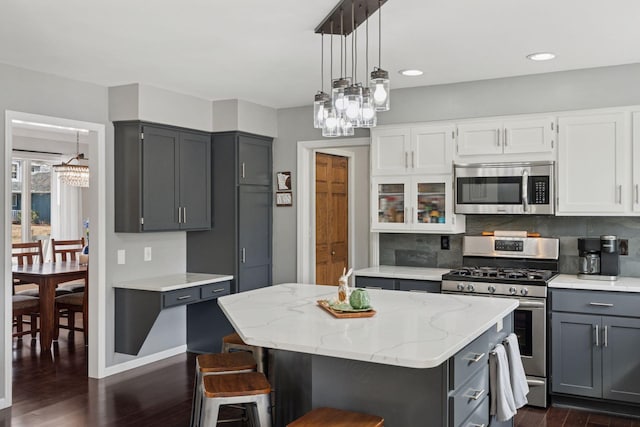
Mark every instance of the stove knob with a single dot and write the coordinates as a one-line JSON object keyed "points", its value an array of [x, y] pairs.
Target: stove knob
{"points": [[513, 290], [524, 291], [492, 289], [460, 287], [470, 287]]}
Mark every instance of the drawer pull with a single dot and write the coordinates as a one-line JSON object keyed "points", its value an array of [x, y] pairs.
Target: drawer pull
{"points": [[373, 287], [475, 358], [217, 290], [476, 425], [418, 290], [184, 297], [601, 304], [475, 395]]}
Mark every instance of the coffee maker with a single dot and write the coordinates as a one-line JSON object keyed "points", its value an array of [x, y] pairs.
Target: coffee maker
{"points": [[599, 258]]}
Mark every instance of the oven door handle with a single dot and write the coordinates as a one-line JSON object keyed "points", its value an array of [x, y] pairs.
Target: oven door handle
{"points": [[535, 382], [531, 304]]}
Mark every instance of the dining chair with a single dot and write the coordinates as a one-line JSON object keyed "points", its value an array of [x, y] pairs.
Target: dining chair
{"points": [[27, 253], [67, 306], [68, 250], [24, 305]]}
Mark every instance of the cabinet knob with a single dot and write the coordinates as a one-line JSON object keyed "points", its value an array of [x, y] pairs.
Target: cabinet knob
{"points": [[333, 252]]}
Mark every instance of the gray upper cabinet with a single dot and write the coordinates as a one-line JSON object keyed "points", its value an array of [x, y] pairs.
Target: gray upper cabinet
{"points": [[595, 337], [162, 178], [239, 242]]}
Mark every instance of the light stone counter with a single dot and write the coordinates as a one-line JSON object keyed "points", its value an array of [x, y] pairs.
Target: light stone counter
{"points": [[173, 282], [409, 330], [400, 272], [570, 281]]}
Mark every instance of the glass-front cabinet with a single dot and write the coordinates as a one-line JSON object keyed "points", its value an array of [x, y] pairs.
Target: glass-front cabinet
{"points": [[414, 203]]}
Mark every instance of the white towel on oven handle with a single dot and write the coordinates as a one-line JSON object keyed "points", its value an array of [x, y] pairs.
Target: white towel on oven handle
{"points": [[516, 371], [502, 403]]}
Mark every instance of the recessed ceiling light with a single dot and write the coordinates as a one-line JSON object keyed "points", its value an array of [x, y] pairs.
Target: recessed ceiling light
{"points": [[541, 56], [411, 72]]}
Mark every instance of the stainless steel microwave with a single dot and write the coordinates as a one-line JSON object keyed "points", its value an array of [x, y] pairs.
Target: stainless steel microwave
{"points": [[505, 188]]}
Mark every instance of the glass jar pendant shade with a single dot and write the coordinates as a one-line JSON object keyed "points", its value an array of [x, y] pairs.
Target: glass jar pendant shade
{"points": [[330, 128], [337, 93], [353, 112], [380, 89], [319, 111], [368, 112]]}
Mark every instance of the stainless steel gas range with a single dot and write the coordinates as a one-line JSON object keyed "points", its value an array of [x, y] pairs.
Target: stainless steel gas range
{"points": [[513, 266]]}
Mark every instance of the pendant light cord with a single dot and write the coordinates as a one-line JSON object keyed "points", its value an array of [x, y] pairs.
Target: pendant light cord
{"points": [[354, 58], [342, 53], [331, 60], [379, 33], [322, 62]]}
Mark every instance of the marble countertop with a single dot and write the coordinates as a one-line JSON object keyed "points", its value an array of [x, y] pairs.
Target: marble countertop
{"points": [[399, 272], [173, 282], [571, 281], [410, 329]]}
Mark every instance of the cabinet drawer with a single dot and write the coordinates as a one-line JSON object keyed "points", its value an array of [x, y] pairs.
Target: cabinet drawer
{"points": [[215, 290], [180, 297], [596, 302], [419, 285], [375, 283], [468, 360], [465, 400], [479, 417]]}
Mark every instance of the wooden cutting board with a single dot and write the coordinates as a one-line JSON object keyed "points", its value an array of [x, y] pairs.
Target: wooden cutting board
{"points": [[344, 314]]}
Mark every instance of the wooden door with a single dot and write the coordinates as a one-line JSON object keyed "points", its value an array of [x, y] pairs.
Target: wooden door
{"points": [[332, 229]]}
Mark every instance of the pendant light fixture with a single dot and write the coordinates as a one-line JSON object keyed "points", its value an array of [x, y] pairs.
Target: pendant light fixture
{"points": [[76, 175], [351, 104]]}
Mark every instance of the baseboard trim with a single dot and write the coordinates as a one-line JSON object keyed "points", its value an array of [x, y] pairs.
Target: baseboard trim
{"points": [[145, 360], [596, 405]]}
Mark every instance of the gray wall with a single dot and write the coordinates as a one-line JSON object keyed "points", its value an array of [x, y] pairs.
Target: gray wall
{"points": [[571, 90]]}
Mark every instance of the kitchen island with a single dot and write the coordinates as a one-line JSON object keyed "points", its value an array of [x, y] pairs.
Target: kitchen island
{"points": [[421, 360]]}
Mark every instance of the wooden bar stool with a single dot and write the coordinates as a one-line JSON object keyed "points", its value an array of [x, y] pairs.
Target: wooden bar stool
{"points": [[330, 417], [233, 342], [216, 364], [233, 389]]}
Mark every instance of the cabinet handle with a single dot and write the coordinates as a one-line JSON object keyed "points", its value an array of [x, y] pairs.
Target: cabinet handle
{"points": [[184, 215], [242, 172], [179, 215], [601, 304], [596, 333], [637, 198], [373, 287], [476, 425], [244, 255], [184, 297], [419, 290], [413, 216], [475, 394], [475, 358], [605, 336], [406, 159], [499, 135], [505, 137], [619, 194], [216, 290], [413, 159], [406, 211]]}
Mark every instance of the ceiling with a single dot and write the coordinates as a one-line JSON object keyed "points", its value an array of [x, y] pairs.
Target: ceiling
{"points": [[266, 51]]}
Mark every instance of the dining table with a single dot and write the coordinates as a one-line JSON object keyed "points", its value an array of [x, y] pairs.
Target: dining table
{"points": [[48, 276]]}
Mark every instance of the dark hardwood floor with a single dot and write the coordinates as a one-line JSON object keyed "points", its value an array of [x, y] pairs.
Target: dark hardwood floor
{"points": [[54, 390]]}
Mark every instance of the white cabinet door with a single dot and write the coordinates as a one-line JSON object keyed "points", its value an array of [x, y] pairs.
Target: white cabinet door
{"points": [[479, 138], [432, 149], [591, 164], [636, 162], [390, 151], [432, 205], [529, 136], [390, 201]]}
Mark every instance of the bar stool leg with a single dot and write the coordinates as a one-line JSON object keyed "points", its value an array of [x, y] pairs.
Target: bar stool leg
{"points": [[264, 413], [197, 398]]}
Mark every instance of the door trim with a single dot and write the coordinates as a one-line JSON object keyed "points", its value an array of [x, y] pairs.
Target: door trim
{"points": [[306, 241], [97, 298]]}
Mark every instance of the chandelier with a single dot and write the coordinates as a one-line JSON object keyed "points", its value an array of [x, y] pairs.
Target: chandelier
{"points": [[350, 104], [76, 175]]}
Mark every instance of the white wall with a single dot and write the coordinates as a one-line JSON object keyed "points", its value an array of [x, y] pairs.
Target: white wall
{"points": [[570, 90]]}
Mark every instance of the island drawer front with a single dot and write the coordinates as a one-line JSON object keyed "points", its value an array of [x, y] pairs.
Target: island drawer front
{"points": [[180, 297], [375, 283], [419, 285], [215, 290], [479, 417], [467, 399], [468, 360], [596, 302]]}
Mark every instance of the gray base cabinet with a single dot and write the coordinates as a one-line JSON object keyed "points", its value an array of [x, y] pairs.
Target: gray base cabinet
{"points": [[239, 242], [398, 284], [162, 178], [595, 345]]}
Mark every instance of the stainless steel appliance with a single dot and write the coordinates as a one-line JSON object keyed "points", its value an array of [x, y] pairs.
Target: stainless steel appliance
{"points": [[599, 258], [513, 267], [505, 188]]}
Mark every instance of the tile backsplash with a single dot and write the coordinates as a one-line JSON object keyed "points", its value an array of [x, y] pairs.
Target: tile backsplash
{"points": [[423, 250]]}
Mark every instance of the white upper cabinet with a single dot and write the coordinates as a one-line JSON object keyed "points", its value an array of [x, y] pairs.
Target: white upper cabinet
{"points": [[506, 140], [420, 149], [593, 164], [635, 190]]}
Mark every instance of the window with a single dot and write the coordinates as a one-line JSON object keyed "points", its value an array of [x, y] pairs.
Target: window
{"points": [[15, 172]]}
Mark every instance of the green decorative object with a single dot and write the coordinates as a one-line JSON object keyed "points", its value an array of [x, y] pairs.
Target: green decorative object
{"points": [[359, 299]]}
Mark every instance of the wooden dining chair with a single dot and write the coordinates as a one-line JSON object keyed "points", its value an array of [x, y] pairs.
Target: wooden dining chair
{"points": [[24, 305], [68, 250], [70, 304], [27, 253]]}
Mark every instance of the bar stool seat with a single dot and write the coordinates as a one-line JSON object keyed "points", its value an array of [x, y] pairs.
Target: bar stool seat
{"points": [[331, 417], [217, 364], [243, 388], [233, 342]]}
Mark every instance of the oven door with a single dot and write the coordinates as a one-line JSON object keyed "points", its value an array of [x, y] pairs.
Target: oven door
{"points": [[530, 325]]}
